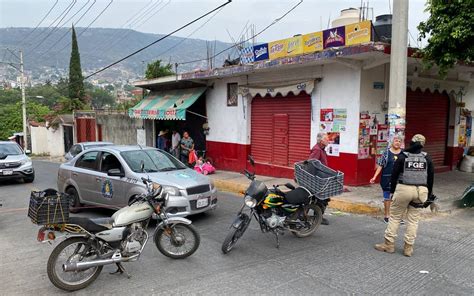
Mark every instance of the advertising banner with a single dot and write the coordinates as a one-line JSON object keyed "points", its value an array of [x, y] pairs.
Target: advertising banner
{"points": [[277, 49], [294, 46], [334, 37], [246, 55], [260, 52], [313, 42], [358, 33]]}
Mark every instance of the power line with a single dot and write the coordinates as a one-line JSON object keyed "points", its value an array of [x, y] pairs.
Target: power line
{"points": [[243, 42], [47, 14], [56, 27], [69, 30]]}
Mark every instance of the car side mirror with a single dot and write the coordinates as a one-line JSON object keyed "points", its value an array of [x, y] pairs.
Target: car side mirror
{"points": [[115, 173], [27, 152]]}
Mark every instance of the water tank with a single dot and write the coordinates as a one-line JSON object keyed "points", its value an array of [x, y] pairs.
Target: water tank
{"points": [[383, 28], [348, 16]]}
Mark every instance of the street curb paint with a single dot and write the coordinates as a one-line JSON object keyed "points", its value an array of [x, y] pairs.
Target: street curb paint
{"points": [[335, 203]]}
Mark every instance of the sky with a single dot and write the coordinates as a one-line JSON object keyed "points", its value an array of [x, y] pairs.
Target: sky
{"points": [[164, 16]]}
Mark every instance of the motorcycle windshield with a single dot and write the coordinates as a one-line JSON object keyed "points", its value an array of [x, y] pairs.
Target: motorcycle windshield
{"points": [[257, 190]]}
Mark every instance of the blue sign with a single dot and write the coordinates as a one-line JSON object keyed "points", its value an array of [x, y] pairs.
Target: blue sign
{"points": [[260, 52], [246, 55]]}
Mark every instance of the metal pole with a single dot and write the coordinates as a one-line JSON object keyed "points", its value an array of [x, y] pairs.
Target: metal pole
{"points": [[398, 70], [23, 102]]}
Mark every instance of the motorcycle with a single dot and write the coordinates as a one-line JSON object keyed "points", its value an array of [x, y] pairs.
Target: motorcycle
{"points": [[297, 211], [92, 243]]}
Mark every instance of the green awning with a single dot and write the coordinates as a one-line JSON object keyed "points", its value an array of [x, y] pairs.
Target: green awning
{"points": [[166, 104]]}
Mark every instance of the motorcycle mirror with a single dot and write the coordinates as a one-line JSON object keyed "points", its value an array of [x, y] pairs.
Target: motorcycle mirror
{"points": [[252, 162], [142, 166]]}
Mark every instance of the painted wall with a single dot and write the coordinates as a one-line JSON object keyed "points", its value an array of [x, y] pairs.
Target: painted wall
{"points": [[38, 143], [55, 138]]}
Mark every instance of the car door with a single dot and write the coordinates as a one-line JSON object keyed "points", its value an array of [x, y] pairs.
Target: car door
{"points": [[110, 189], [84, 175]]}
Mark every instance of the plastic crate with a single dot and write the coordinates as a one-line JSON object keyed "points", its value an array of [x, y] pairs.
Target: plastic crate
{"points": [[319, 179], [48, 207]]}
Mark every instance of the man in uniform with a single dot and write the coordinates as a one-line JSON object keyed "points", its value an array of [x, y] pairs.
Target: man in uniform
{"points": [[411, 184]]}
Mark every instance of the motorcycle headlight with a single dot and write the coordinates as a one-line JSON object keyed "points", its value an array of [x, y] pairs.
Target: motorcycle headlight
{"points": [[170, 190], [250, 201]]}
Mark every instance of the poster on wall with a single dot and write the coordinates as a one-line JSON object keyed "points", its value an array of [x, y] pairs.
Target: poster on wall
{"points": [[364, 136], [334, 141], [340, 119], [326, 126], [327, 114]]}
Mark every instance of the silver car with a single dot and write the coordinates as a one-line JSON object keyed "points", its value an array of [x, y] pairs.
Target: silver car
{"points": [[14, 163], [111, 176], [79, 147]]}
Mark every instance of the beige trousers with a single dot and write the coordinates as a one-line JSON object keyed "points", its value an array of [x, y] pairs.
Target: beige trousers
{"points": [[404, 194]]}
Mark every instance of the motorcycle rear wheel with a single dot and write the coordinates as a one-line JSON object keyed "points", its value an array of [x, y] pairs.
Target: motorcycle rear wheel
{"points": [[235, 233], [72, 280], [314, 213], [177, 241]]}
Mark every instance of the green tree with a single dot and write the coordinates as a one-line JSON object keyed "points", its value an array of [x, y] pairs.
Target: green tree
{"points": [[101, 98], [450, 32], [155, 70], [76, 80], [10, 96], [11, 117]]}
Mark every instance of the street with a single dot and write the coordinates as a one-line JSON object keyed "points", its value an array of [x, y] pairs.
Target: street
{"points": [[337, 259]]}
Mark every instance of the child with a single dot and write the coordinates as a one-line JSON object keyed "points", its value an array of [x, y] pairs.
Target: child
{"points": [[203, 167]]}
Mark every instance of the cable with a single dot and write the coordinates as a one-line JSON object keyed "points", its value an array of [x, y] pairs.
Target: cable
{"points": [[242, 42], [186, 38], [69, 30], [55, 28], [414, 40], [31, 32]]}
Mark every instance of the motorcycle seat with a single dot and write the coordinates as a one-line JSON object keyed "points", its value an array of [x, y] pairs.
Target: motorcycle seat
{"points": [[298, 196], [92, 225]]}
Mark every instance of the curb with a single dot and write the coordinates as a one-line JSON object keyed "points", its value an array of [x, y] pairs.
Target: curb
{"points": [[335, 203]]}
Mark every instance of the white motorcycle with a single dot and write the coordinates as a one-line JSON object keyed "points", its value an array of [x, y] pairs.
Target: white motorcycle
{"points": [[92, 243]]}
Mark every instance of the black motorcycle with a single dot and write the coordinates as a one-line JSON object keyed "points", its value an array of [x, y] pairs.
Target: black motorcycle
{"points": [[297, 210]]}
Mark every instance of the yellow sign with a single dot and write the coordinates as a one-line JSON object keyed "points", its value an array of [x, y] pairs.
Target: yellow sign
{"points": [[358, 33], [285, 47], [294, 46], [313, 42]]}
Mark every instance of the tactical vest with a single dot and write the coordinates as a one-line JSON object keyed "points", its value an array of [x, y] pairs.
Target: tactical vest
{"points": [[415, 170]]}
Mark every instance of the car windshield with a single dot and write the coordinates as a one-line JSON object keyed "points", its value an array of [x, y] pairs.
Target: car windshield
{"points": [[153, 160], [9, 149]]}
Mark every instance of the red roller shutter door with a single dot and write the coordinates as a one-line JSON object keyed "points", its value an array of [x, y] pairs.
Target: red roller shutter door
{"points": [[281, 129], [428, 114]]}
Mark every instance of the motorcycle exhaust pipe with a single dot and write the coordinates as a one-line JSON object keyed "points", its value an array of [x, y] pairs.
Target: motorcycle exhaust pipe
{"points": [[79, 266]]}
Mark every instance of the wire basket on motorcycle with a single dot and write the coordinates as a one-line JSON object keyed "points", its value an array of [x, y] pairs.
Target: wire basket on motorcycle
{"points": [[320, 180], [48, 207]]}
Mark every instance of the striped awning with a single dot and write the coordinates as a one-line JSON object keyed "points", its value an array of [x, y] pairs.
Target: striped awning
{"points": [[167, 104]]}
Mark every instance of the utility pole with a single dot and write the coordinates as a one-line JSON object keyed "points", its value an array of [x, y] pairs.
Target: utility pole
{"points": [[398, 70], [23, 102]]}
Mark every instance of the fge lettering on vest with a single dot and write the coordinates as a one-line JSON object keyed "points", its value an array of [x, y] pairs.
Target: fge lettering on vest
{"points": [[415, 165]]}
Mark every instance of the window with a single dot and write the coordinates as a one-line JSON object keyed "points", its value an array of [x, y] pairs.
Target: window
{"points": [[232, 94], [88, 160], [153, 161], [108, 161], [9, 149], [75, 150]]}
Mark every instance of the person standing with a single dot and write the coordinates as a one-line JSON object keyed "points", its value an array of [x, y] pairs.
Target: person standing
{"points": [[385, 166], [187, 144], [411, 184], [175, 143], [318, 152], [161, 141]]}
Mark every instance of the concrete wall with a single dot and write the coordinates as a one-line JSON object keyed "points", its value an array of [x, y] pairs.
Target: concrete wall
{"points": [[47, 141], [119, 128]]}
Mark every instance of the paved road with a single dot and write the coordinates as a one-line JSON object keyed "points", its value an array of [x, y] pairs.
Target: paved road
{"points": [[338, 259]]}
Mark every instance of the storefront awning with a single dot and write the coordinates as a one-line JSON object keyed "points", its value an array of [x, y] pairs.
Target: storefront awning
{"points": [[167, 104], [273, 90]]}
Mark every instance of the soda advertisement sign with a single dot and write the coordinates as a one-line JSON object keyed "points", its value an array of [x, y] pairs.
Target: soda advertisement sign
{"points": [[313, 42], [358, 33], [260, 52], [334, 37]]}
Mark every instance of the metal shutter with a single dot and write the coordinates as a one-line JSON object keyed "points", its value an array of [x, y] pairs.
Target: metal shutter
{"points": [[428, 114], [264, 133]]}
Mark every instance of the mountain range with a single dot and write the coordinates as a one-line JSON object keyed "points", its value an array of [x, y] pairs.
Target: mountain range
{"points": [[48, 49]]}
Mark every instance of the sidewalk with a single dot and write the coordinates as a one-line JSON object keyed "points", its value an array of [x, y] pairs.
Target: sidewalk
{"points": [[362, 199]]}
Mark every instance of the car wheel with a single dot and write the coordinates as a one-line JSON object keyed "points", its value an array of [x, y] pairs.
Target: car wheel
{"points": [[29, 179], [74, 203]]}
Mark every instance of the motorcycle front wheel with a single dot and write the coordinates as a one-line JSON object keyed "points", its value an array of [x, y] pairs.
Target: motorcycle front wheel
{"points": [[235, 233], [313, 216], [177, 241], [73, 250]]}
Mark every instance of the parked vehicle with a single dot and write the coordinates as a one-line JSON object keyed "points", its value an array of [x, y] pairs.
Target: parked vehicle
{"points": [[110, 176], [92, 243], [14, 162], [298, 211], [79, 147]]}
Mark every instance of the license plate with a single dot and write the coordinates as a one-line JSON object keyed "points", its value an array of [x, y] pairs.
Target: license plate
{"points": [[201, 203], [7, 172]]}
